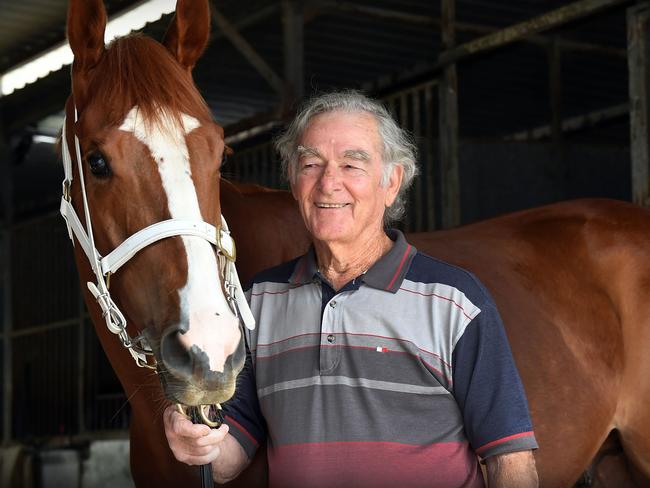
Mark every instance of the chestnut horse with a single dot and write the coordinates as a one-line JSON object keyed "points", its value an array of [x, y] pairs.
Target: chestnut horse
{"points": [[142, 159], [571, 280]]}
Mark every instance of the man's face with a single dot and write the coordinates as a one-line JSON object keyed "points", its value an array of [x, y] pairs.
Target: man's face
{"points": [[338, 178]]}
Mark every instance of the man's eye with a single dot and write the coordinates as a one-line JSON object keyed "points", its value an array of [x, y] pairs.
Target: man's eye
{"points": [[98, 164]]}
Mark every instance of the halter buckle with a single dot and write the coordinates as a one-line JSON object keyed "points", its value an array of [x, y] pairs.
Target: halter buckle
{"points": [[230, 255], [66, 190]]}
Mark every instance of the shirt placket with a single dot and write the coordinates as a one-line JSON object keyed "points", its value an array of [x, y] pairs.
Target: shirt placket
{"points": [[331, 333]]}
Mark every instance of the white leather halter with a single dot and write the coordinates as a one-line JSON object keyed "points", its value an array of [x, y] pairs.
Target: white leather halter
{"points": [[104, 266]]}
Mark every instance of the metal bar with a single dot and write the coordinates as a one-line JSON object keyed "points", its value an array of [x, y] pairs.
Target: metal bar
{"points": [[6, 168], [517, 32], [245, 48], [638, 35], [404, 122], [429, 158], [416, 113], [555, 90], [40, 329], [293, 36], [572, 124], [380, 13], [448, 123], [81, 362]]}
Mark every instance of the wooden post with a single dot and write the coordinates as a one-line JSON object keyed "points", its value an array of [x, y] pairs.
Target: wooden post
{"points": [[293, 27], [638, 35], [6, 171], [448, 125]]}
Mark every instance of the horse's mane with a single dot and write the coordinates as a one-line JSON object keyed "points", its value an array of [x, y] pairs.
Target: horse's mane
{"points": [[136, 70]]}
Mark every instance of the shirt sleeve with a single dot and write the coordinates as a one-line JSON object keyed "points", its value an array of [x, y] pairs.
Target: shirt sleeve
{"points": [[242, 412], [488, 389]]}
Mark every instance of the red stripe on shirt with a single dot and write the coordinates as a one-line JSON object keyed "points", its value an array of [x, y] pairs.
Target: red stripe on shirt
{"points": [[399, 268], [242, 430], [502, 440], [441, 297]]}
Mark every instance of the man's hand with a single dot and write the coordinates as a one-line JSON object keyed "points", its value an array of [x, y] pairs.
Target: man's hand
{"points": [[512, 470], [196, 444]]}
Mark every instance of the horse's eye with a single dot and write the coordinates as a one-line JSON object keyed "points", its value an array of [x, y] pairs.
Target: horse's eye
{"points": [[98, 164], [227, 151]]}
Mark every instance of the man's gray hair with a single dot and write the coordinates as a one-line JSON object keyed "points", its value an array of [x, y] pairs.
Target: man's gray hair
{"points": [[398, 148]]}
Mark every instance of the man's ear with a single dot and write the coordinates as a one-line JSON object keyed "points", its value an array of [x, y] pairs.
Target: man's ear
{"points": [[188, 34], [393, 185], [85, 27]]}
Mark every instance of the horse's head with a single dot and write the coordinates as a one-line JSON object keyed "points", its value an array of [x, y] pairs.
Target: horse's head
{"points": [[150, 152]]}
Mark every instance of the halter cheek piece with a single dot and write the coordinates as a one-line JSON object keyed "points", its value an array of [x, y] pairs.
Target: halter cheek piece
{"points": [[104, 267]]}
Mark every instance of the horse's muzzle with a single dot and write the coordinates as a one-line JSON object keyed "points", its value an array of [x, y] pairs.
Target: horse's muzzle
{"points": [[186, 375]]}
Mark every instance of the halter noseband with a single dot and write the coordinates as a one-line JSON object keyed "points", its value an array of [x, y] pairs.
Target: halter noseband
{"points": [[104, 267]]}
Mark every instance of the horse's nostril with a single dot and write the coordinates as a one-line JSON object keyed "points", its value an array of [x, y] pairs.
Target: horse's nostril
{"points": [[176, 358], [182, 362], [201, 361]]}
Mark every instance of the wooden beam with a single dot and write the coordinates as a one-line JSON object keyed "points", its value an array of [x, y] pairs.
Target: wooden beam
{"points": [[294, 46], [252, 19], [572, 124], [245, 48], [448, 125], [550, 20], [638, 35], [330, 6]]}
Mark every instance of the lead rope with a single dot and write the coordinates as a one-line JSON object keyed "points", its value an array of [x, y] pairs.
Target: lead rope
{"points": [[197, 416]]}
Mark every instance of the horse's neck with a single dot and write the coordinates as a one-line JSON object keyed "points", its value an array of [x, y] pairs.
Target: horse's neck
{"points": [[266, 225]]}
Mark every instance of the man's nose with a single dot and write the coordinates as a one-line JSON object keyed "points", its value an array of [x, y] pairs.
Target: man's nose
{"points": [[330, 179]]}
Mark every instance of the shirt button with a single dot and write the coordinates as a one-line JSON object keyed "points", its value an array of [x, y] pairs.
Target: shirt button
{"points": [[333, 304], [331, 339]]}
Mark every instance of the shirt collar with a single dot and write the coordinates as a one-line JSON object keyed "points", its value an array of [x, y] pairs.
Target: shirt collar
{"points": [[386, 274]]}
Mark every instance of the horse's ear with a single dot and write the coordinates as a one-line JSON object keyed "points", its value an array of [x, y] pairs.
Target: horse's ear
{"points": [[86, 25], [189, 32]]}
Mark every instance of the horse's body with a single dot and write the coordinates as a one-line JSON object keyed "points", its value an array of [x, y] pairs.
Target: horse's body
{"points": [[572, 280]]}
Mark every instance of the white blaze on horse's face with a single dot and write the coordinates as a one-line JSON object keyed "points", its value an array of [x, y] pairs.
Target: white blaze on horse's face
{"points": [[211, 324]]}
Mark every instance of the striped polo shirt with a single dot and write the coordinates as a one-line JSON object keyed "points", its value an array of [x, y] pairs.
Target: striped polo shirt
{"points": [[401, 378]]}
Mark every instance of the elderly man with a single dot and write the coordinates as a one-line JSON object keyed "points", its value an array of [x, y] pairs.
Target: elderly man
{"points": [[372, 364]]}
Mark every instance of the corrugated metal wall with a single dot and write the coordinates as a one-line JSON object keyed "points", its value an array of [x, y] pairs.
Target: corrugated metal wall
{"points": [[58, 365]]}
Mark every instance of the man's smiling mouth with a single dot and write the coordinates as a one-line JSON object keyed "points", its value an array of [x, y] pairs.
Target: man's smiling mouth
{"points": [[331, 205]]}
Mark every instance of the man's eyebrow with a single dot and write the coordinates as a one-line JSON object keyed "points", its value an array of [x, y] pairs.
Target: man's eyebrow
{"points": [[358, 154], [304, 151]]}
